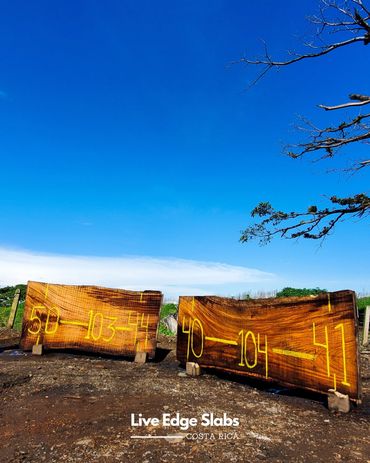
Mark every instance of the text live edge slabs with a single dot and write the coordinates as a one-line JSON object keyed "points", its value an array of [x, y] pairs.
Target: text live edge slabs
{"points": [[90, 318], [308, 342]]}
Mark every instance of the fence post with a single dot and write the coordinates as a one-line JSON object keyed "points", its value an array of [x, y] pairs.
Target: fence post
{"points": [[365, 337], [13, 310]]}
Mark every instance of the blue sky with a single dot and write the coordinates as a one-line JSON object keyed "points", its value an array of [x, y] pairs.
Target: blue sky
{"points": [[124, 132]]}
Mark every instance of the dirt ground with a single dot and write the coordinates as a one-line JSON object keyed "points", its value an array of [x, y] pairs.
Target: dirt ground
{"points": [[69, 407]]}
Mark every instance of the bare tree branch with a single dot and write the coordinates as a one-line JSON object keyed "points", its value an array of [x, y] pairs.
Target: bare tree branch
{"points": [[364, 163], [349, 18], [345, 105], [312, 224], [270, 63]]}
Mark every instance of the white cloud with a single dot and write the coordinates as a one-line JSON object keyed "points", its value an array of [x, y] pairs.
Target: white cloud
{"points": [[172, 276]]}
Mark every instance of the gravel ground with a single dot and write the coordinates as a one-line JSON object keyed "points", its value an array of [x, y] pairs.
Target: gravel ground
{"points": [[68, 407]]}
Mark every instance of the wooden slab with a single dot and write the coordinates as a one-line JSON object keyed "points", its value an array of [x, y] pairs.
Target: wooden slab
{"points": [[90, 318], [308, 342]]}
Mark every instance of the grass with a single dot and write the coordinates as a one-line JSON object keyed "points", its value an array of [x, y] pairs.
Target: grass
{"points": [[4, 315]]}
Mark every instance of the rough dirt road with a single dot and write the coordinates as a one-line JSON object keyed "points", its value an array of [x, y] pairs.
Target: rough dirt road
{"points": [[64, 407]]}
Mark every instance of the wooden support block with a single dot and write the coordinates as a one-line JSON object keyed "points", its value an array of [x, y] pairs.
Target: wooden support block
{"points": [[140, 357], [192, 369], [37, 349], [338, 402]]}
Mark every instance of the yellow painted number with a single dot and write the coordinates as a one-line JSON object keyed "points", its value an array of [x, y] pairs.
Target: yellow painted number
{"points": [[35, 318], [201, 335], [341, 327], [51, 327], [112, 328], [244, 361], [194, 325]]}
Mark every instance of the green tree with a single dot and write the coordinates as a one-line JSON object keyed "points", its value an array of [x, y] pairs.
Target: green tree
{"points": [[299, 292], [349, 20], [7, 294]]}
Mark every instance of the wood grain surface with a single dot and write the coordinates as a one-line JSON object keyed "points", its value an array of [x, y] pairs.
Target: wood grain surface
{"points": [[308, 342], [90, 318]]}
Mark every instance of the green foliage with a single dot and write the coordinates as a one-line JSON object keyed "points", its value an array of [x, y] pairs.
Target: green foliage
{"points": [[299, 292], [167, 309], [312, 223], [362, 302], [164, 330], [7, 294], [6, 300]]}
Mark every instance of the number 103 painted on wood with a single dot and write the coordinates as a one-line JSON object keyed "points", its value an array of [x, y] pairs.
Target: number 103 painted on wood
{"points": [[91, 318]]}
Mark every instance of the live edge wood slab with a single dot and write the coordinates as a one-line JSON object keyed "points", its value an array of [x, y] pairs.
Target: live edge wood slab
{"points": [[90, 318], [308, 342]]}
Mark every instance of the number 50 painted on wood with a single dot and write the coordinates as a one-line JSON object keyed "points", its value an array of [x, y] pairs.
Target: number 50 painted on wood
{"points": [[91, 318]]}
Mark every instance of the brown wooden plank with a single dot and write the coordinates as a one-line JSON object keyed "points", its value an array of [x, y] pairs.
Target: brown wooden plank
{"points": [[308, 342], [91, 318]]}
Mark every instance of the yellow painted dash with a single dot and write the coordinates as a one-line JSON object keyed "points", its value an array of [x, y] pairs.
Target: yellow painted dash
{"points": [[122, 328], [223, 341], [72, 322], [329, 303], [292, 353]]}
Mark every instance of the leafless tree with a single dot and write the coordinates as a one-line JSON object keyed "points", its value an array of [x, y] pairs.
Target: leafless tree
{"points": [[349, 20]]}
